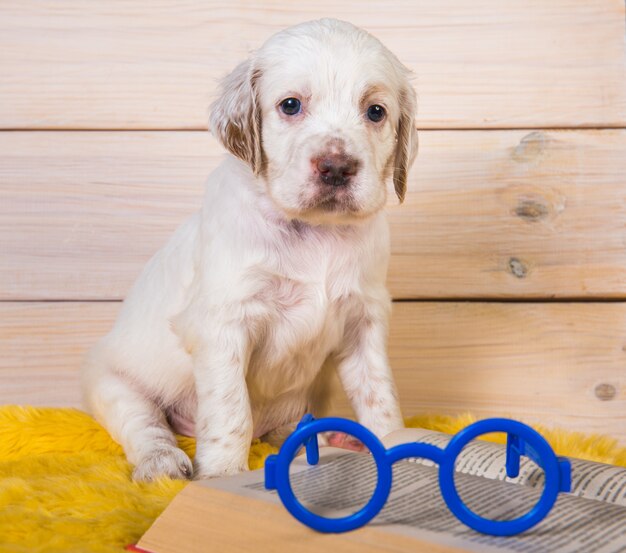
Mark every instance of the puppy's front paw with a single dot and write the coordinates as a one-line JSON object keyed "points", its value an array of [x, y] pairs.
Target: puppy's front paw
{"points": [[164, 461], [205, 469]]}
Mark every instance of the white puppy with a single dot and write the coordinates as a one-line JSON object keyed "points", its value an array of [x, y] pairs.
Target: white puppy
{"points": [[233, 329]]}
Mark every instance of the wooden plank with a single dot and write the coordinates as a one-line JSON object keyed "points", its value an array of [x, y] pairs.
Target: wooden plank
{"points": [[145, 65], [241, 524], [488, 214], [561, 364], [518, 214], [42, 345], [81, 213]]}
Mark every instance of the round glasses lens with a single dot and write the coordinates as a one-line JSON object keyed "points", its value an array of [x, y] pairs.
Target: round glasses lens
{"points": [[343, 481], [481, 479]]}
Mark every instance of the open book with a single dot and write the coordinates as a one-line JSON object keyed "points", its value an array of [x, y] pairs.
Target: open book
{"points": [[238, 514]]}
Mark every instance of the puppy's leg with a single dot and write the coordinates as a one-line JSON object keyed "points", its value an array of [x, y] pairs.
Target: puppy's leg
{"points": [[138, 424], [365, 373], [224, 417], [319, 403], [277, 436]]}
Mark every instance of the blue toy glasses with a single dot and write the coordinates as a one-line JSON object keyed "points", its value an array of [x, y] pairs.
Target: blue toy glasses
{"points": [[521, 440]]}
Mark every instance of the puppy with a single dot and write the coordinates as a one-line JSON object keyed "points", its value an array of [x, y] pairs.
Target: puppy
{"points": [[234, 328]]}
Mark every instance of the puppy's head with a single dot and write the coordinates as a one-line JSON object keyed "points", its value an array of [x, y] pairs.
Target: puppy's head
{"points": [[324, 114]]}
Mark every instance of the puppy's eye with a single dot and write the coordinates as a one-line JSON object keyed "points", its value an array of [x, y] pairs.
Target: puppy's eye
{"points": [[376, 113], [291, 106]]}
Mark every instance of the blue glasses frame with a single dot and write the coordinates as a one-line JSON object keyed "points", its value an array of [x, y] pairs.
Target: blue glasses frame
{"points": [[521, 440]]}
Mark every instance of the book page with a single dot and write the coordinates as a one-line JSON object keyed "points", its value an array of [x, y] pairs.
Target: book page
{"points": [[480, 458], [336, 486]]}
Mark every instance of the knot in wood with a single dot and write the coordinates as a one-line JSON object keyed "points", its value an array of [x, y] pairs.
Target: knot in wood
{"points": [[605, 391], [530, 147], [531, 210], [517, 268]]}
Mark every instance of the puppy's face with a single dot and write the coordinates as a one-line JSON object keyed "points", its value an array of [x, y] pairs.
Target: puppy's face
{"points": [[324, 114]]}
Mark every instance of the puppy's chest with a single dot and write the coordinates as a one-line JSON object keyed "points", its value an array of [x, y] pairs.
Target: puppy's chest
{"points": [[304, 324]]}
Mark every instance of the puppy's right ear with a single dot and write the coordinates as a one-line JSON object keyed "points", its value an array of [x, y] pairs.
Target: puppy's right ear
{"points": [[235, 117]]}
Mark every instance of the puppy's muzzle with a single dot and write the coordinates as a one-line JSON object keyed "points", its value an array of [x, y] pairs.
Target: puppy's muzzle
{"points": [[336, 169]]}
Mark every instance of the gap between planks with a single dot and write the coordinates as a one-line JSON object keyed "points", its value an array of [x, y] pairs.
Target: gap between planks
{"points": [[420, 129], [433, 299]]}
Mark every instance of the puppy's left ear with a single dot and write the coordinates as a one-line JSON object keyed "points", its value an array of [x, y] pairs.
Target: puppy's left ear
{"points": [[235, 117], [406, 141]]}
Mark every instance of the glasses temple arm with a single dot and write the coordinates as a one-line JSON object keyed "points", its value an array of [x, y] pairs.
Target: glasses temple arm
{"points": [[270, 472], [310, 444], [312, 454], [516, 447]]}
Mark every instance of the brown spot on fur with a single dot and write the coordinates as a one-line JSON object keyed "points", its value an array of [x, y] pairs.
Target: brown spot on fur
{"points": [[371, 400], [238, 433], [373, 95]]}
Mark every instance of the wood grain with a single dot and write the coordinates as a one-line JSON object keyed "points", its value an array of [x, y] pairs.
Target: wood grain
{"points": [[145, 65], [517, 214], [561, 364], [241, 524], [42, 347], [498, 214], [555, 363]]}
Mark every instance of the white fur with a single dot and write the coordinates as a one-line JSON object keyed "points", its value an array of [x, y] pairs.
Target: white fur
{"points": [[236, 325]]}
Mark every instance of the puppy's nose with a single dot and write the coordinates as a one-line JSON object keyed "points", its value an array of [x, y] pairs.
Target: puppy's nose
{"points": [[336, 169]]}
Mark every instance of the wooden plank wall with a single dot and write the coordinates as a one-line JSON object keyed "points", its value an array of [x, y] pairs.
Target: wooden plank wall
{"points": [[509, 254]]}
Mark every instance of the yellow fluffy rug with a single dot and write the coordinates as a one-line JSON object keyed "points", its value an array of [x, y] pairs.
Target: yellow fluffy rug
{"points": [[65, 485]]}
